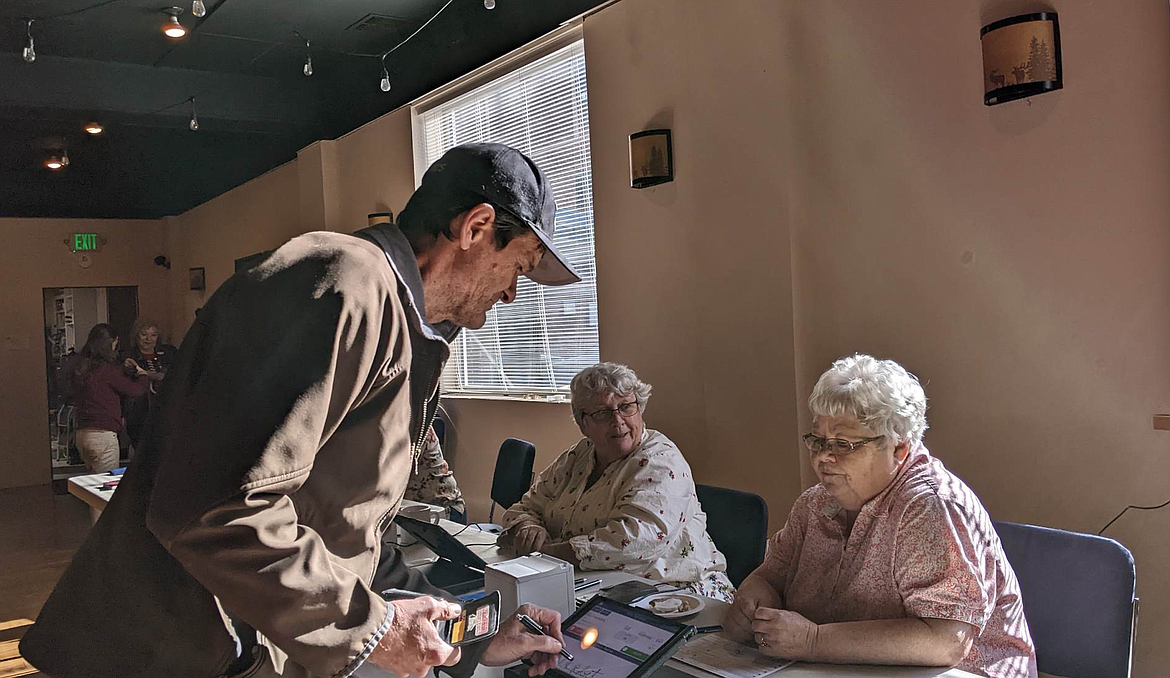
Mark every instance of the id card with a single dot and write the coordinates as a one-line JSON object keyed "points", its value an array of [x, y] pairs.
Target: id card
{"points": [[479, 620]]}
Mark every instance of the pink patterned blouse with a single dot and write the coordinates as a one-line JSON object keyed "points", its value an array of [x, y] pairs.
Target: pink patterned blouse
{"points": [[925, 548]]}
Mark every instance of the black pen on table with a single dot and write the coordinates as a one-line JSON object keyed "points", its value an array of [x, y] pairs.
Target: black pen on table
{"points": [[581, 584], [531, 624], [709, 629]]}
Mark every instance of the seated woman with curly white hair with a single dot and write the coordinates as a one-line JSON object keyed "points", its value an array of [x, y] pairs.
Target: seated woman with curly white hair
{"points": [[622, 498], [890, 559]]}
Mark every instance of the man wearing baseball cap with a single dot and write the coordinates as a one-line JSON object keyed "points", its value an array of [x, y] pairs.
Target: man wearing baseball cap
{"points": [[246, 538]]}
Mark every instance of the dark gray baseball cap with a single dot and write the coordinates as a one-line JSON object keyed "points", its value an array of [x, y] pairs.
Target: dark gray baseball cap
{"points": [[510, 181]]}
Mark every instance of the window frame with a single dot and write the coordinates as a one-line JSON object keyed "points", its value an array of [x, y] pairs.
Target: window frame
{"points": [[566, 35]]}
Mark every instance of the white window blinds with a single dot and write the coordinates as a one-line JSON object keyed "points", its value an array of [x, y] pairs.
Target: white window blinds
{"points": [[536, 344]]}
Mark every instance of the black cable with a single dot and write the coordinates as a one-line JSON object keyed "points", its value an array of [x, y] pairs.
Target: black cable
{"points": [[1131, 506], [465, 527]]}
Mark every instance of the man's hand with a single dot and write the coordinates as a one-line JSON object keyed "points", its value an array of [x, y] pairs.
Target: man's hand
{"points": [[514, 641], [753, 594], [529, 538], [784, 633], [412, 645]]}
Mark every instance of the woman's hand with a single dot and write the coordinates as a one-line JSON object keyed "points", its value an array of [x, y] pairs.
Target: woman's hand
{"points": [[753, 593], [529, 538], [784, 633]]}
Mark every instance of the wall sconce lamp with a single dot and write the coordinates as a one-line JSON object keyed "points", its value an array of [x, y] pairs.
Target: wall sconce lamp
{"points": [[651, 158], [1021, 57]]}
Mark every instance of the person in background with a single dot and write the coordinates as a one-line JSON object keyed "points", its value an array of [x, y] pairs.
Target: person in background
{"points": [[146, 353], [891, 558], [622, 498], [432, 482], [99, 384]]}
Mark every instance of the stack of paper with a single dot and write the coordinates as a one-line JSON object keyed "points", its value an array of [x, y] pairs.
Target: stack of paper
{"points": [[717, 654]]}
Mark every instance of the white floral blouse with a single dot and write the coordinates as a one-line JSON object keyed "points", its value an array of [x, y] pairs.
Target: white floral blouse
{"points": [[641, 516]]}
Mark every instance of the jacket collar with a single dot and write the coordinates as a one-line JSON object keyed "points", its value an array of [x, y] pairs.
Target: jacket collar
{"points": [[405, 266]]}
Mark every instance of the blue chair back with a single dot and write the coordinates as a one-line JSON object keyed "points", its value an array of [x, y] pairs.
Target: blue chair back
{"points": [[1079, 599], [513, 471], [738, 524]]}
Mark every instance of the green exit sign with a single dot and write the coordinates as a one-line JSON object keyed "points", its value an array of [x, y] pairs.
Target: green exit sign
{"points": [[86, 242]]}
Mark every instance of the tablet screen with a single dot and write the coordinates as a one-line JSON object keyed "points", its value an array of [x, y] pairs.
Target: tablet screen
{"points": [[606, 642]]}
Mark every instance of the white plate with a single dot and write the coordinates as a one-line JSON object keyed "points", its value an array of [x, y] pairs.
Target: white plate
{"points": [[692, 604]]}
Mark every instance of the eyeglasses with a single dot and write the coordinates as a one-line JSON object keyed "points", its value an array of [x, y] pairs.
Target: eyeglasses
{"points": [[603, 416], [838, 447]]}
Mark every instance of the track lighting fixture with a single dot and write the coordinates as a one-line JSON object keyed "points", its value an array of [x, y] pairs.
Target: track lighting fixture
{"points": [[489, 4], [385, 84], [94, 128], [171, 27], [194, 124], [308, 69], [198, 9], [28, 53], [64, 158]]}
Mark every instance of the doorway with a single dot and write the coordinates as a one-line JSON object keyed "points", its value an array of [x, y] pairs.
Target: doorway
{"points": [[70, 314]]}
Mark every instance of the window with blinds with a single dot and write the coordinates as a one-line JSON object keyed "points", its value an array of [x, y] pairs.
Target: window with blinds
{"points": [[536, 344]]}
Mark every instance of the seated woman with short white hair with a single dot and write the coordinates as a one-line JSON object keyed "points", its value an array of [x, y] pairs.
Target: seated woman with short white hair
{"points": [[890, 559], [622, 498]]}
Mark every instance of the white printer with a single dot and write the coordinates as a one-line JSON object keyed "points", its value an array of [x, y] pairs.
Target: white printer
{"points": [[537, 579]]}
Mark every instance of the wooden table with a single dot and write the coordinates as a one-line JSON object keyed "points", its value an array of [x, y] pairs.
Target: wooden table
{"points": [[88, 488]]}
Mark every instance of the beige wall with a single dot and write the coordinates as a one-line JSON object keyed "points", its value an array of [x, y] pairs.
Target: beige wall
{"points": [[35, 257], [259, 215], [694, 286], [1014, 257]]}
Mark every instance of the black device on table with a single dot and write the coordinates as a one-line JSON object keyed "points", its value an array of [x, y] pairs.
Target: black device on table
{"points": [[458, 570], [479, 620], [627, 642]]}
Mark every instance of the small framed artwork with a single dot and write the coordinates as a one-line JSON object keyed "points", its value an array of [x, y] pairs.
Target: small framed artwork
{"points": [[651, 158], [1021, 57], [198, 279]]}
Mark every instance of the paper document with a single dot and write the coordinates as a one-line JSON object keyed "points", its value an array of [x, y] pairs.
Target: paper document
{"points": [[718, 654]]}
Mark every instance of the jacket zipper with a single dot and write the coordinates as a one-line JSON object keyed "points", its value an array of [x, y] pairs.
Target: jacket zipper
{"points": [[415, 453]]}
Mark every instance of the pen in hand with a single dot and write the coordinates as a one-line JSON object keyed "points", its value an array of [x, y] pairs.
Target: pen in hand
{"points": [[532, 626]]}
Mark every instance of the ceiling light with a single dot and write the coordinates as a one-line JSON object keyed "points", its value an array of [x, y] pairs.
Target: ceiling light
{"points": [[308, 69], [194, 124], [28, 53], [54, 163], [64, 158], [94, 128], [171, 27], [385, 84], [198, 8], [489, 4]]}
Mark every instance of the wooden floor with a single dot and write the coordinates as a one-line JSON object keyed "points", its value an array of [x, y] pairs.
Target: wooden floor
{"points": [[39, 531]]}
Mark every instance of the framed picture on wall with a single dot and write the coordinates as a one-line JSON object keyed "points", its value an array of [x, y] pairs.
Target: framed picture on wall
{"points": [[198, 279], [651, 158]]}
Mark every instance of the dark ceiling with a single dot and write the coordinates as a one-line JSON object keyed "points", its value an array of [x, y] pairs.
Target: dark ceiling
{"points": [[108, 61]]}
